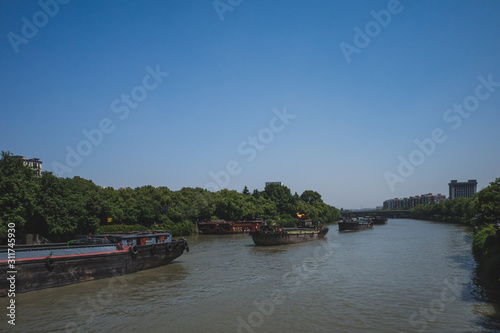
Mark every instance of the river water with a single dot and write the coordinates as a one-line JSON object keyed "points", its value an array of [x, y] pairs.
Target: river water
{"points": [[406, 276]]}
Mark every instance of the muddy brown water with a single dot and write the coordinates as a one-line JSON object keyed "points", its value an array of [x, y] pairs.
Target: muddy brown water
{"points": [[406, 276]]}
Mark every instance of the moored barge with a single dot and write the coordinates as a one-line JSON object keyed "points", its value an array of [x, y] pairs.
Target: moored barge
{"points": [[379, 220], [355, 224], [222, 227], [284, 236], [85, 258]]}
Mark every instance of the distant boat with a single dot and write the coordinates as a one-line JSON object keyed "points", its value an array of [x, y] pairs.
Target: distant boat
{"points": [[274, 235], [86, 258], [284, 236], [222, 227], [379, 220], [355, 224]]}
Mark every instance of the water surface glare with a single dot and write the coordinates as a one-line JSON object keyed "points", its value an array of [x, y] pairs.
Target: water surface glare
{"points": [[406, 276]]}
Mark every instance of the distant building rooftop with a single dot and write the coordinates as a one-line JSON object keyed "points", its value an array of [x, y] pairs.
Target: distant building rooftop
{"points": [[33, 163]]}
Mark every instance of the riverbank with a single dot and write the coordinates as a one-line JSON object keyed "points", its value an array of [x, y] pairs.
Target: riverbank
{"points": [[486, 249], [482, 211], [60, 208]]}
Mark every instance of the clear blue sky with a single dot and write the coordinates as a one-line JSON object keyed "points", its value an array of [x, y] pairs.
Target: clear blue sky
{"points": [[351, 107]]}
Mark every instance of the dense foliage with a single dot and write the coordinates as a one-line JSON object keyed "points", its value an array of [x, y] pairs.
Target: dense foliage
{"points": [[486, 244], [59, 208], [460, 210]]}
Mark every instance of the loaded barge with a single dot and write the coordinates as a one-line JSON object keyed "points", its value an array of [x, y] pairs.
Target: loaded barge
{"points": [[379, 220], [284, 236], [274, 235], [355, 224], [222, 227], [86, 258]]}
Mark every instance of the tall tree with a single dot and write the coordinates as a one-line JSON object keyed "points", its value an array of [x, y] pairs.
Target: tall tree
{"points": [[488, 203], [67, 207], [19, 185], [310, 197], [246, 191], [282, 198]]}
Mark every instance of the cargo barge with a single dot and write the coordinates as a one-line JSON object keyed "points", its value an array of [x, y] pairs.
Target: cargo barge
{"points": [[284, 236], [379, 220], [222, 227], [355, 224], [85, 259]]}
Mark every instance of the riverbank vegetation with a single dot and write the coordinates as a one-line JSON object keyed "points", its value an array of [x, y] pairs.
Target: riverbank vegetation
{"points": [[482, 211], [460, 210], [59, 208]]}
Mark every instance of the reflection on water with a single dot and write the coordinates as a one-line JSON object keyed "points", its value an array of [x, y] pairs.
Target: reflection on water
{"points": [[406, 276]]}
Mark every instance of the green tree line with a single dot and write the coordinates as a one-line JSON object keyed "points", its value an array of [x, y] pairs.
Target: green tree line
{"points": [[480, 210], [459, 210], [59, 208]]}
